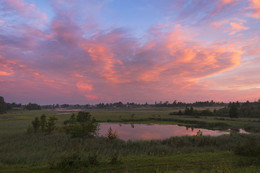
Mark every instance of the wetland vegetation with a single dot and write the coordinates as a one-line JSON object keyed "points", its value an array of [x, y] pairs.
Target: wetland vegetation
{"points": [[65, 140]]}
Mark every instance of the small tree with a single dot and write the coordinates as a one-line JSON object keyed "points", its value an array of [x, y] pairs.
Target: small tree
{"points": [[33, 106], [83, 125], [3, 106], [180, 112], [233, 110], [36, 124], [111, 135], [45, 126], [51, 125], [71, 120], [43, 122], [186, 111], [191, 110], [199, 133]]}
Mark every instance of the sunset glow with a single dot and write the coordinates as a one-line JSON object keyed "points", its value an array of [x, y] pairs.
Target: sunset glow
{"points": [[86, 52]]}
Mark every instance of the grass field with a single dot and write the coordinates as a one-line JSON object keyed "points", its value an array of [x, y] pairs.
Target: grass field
{"points": [[195, 162], [22, 152]]}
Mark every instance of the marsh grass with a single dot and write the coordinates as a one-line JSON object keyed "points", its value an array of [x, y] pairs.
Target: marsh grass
{"points": [[21, 152], [36, 148]]}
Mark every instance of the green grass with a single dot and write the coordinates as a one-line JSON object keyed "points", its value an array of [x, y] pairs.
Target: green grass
{"points": [[21, 152], [147, 115], [38, 148], [192, 162]]}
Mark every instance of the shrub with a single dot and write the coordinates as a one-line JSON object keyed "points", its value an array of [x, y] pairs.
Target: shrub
{"points": [[83, 125], [43, 122], [111, 135], [248, 148], [50, 125], [36, 124], [71, 161], [3, 106], [33, 106], [30, 129], [46, 126], [199, 133]]}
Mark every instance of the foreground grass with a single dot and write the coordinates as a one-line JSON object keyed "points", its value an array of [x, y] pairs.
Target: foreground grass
{"points": [[194, 162], [60, 153]]}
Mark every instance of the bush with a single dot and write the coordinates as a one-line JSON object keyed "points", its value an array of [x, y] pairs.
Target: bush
{"points": [[71, 161], [33, 106], [43, 122], [50, 125], [111, 135], [251, 147], [30, 129], [3, 106], [46, 127], [83, 125], [36, 124]]}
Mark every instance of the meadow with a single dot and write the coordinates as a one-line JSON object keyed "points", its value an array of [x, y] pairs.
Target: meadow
{"points": [[58, 152]]}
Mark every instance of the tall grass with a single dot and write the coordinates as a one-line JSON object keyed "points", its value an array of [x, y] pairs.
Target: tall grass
{"points": [[36, 148], [58, 149]]}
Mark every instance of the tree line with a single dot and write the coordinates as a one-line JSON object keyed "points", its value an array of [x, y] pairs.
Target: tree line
{"points": [[239, 109], [135, 105], [233, 110]]}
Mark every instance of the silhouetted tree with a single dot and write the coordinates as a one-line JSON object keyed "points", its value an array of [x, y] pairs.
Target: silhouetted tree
{"points": [[36, 124], [111, 135], [33, 106], [3, 106], [233, 110], [83, 125], [46, 126], [43, 122], [50, 126]]}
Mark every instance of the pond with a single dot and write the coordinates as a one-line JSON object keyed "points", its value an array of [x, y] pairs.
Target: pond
{"points": [[153, 131]]}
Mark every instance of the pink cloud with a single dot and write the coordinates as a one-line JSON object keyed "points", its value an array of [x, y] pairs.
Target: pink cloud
{"points": [[170, 62], [4, 73], [188, 60], [255, 6], [226, 1], [27, 10], [173, 59], [91, 97], [218, 24], [237, 27], [221, 4], [84, 86]]}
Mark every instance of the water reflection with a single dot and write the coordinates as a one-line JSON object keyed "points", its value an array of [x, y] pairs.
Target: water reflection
{"points": [[154, 131]]}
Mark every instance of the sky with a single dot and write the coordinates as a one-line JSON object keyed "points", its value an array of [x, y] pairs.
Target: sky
{"points": [[88, 51]]}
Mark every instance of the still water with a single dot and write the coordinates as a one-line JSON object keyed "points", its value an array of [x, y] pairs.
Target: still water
{"points": [[153, 131]]}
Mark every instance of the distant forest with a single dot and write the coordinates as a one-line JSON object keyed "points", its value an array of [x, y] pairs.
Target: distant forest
{"points": [[232, 109]]}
